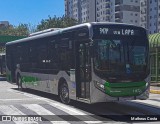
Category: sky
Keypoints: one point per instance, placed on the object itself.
(30, 11)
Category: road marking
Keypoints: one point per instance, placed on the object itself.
(38, 109)
(42, 111)
(11, 110)
(73, 111)
(63, 107)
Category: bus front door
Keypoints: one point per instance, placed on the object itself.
(83, 70)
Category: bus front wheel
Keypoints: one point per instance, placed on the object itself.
(64, 93)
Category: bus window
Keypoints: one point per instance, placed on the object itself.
(65, 55)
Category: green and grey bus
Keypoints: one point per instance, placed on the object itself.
(91, 62)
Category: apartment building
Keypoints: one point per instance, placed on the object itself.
(125, 11)
(150, 15)
(144, 18)
(81, 10)
(103, 10)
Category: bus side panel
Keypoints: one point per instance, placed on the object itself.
(53, 81)
(48, 82)
(28, 79)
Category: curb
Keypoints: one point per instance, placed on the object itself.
(155, 91)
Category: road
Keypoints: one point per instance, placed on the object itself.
(19, 105)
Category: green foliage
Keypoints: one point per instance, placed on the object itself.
(20, 30)
(26, 29)
(56, 22)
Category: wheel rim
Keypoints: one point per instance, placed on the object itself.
(64, 94)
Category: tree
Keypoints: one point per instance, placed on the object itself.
(26, 29)
(20, 30)
(56, 22)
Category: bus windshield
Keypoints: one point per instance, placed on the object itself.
(121, 56)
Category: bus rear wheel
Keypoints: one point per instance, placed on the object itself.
(64, 93)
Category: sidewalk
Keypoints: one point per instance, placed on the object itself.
(155, 88)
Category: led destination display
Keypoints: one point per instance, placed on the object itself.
(100, 31)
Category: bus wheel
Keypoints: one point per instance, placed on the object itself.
(64, 93)
(19, 82)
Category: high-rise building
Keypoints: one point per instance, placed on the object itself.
(153, 16)
(81, 10)
(144, 18)
(126, 11)
(150, 15)
(103, 10)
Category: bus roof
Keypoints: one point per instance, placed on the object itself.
(55, 32)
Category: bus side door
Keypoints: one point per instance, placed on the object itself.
(83, 70)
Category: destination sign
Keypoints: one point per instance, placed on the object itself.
(99, 31)
(124, 31)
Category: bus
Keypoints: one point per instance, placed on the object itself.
(91, 62)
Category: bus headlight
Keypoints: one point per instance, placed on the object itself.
(99, 85)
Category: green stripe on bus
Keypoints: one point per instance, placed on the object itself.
(125, 89)
(125, 84)
(30, 80)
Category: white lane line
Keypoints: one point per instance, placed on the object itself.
(38, 109)
(42, 111)
(63, 107)
(73, 111)
(11, 110)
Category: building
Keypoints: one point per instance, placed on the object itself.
(126, 11)
(4, 24)
(153, 17)
(144, 20)
(103, 10)
(150, 15)
(81, 10)
(87, 11)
